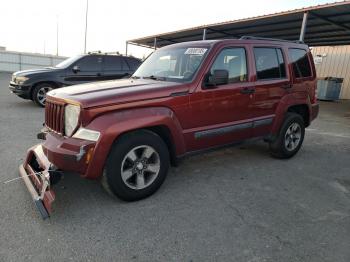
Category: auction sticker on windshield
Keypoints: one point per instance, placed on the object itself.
(195, 51)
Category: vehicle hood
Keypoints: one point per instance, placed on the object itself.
(117, 91)
(31, 72)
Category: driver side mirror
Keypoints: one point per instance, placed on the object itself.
(219, 77)
(76, 69)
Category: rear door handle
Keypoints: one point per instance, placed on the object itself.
(287, 86)
(247, 90)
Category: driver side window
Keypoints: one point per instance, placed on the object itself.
(91, 63)
(234, 61)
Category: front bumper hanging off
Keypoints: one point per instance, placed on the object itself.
(35, 172)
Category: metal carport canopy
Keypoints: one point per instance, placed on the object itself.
(327, 24)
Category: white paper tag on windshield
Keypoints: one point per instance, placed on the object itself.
(196, 51)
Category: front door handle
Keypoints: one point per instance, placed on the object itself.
(247, 90)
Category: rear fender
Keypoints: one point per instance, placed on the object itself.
(112, 125)
(282, 108)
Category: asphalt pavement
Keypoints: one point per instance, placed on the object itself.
(234, 204)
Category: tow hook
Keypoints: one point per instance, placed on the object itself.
(42, 134)
(55, 175)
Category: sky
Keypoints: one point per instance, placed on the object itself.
(30, 25)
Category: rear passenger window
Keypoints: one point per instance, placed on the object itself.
(234, 61)
(115, 63)
(300, 61)
(269, 63)
(112, 63)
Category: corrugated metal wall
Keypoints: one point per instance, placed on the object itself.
(15, 61)
(334, 61)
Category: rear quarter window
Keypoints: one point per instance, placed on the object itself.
(300, 62)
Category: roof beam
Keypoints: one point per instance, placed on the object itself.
(255, 33)
(321, 28)
(296, 20)
(221, 32)
(328, 44)
(166, 39)
(295, 32)
(141, 45)
(346, 28)
(328, 41)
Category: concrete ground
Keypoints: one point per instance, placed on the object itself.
(235, 204)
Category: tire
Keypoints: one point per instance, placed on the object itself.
(290, 138)
(137, 165)
(39, 93)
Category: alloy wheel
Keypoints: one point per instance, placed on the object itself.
(41, 94)
(292, 137)
(140, 167)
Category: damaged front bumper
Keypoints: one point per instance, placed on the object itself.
(37, 175)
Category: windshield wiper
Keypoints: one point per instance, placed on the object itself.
(153, 77)
(135, 77)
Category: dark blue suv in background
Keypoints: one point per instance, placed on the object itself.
(34, 84)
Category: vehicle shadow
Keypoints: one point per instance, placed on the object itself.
(77, 197)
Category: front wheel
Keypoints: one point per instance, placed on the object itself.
(290, 138)
(39, 93)
(137, 165)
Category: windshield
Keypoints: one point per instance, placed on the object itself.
(172, 64)
(68, 61)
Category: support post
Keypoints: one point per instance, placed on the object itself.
(303, 27)
(155, 43)
(126, 48)
(57, 36)
(86, 23)
(204, 33)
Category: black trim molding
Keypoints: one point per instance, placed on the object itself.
(262, 122)
(232, 128)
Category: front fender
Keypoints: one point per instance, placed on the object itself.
(114, 124)
(43, 78)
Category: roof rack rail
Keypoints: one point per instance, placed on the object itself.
(113, 53)
(247, 37)
(94, 52)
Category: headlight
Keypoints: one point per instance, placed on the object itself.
(71, 118)
(21, 79)
(87, 134)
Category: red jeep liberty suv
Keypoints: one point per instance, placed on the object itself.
(184, 98)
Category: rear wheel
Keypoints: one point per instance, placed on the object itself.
(39, 93)
(137, 165)
(290, 138)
